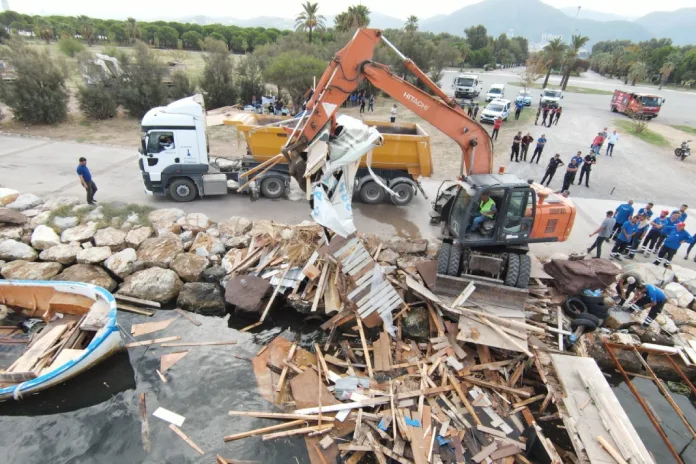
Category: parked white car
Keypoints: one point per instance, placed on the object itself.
(551, 97)
(498, 107)
(496, 91)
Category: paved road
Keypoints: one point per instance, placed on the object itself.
(48, 168)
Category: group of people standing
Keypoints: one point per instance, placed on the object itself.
(520, 147)
(602, 137)
(548, 113)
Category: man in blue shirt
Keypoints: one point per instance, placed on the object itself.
(652, 298)
(671, 221)
(650, 244)
(622, 214)
(628, 229)
(86, 180)
(682, 213)
(676, 235)
(519, 106)
(642, 227)
(541, 142)
(647, 210)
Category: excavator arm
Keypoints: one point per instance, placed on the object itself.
(342, 78)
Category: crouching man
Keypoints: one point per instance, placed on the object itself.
(649, 297)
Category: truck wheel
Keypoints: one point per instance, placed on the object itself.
(443, 258)
(272, 187)
(614, 110)
(525, 271)
(455, 260)
(371, 193)
(183, 190)
(513, 270)
(404, 194)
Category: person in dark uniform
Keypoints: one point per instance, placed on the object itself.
(558, 115)
(676, 235)
(624, 287)
(628, 229)
(476, 110)
(538, 113)
(526, 140)
(578, 160)
(589, 160)
(643, 226)
(650, 243)
(470, 109)
(571, 171)
(544, 115)
(541, 142)
(516, 141)
(551, 168)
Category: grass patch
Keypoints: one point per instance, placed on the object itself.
(570, 88)
(112, 214)
(687, 129)
(646, 135)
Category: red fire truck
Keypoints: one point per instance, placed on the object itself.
(644, 104)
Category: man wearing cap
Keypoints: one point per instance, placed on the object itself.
(628, 229)
(86, 180)
(622, 214)
(603, 233)
(676, 235)
(650, 244)
(649, 297)
(624, 287)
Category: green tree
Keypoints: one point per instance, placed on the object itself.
(411, 24)
(191, 40)
(666, 71)
(218, 36)
(309, 20)
(217, 81)
(43, 30)
(181, 86)
(250, 79)
(360, 15)
(140, 83)
(98, 101)
(86, 28)
(167, 36)
(477, 37)
(576, 43)
(638, 72)
(294, 72)
(38, 94)
(132, 29)
(117, 33)
(554, 52)
(70, 46)
(148, 33)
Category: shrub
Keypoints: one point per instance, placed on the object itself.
(140, 85)
(98, 101)
(216, 82)
(250, 79)
(181, 86)
(38, 94)
(70, 46)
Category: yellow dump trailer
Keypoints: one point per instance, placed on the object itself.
(400, 161)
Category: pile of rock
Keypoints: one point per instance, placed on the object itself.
(174, 257)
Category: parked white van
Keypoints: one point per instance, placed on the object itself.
(496, 91)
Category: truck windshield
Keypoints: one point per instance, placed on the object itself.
(651, 101)
(552, 93)
(495, 90)
(465, 81)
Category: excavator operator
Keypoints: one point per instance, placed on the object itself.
(487, 210)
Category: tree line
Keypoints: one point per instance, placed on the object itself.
(654, 60)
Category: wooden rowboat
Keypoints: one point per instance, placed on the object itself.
(80, 332)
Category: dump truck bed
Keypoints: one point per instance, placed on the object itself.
(406, 146)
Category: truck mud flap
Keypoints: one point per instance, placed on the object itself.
(488, 291)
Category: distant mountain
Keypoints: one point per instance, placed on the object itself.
(679, 25)
(595, 15)
(531, 19)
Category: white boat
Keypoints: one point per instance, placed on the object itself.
(80, 332)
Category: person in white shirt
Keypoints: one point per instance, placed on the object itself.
(393, 113)
(611, 141)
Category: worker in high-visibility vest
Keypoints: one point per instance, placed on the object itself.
(487, 210)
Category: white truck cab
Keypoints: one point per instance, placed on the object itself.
(466, 86)
(551, 97)
(495, 91)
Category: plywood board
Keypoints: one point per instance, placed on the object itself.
(26, 362)
(587, 420)
(538, 271)
(473, 331)
(168, 360)
(65, 356)
(149, 327)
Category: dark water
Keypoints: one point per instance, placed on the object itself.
(95, 418)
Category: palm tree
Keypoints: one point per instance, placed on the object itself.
(665, 72)
(554, 50)
(576, 43)
(464, 52)
(86, 28)
(360, 15)
(411, 24)
(132, 29)
(45, 31)
(309, 20)
(638, 72)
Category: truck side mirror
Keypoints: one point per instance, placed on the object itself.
(143, 142)
(561, 96)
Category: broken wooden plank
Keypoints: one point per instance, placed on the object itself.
(366, 353)
(495, 386)
(279, 415)
(301, 431)
(131, 299)
(152, 342)
(263, 430)
(228, 342)
(168, 360)
(485, 452)
(134, 309)
(149, 327)
(188, 316)
(185, 437)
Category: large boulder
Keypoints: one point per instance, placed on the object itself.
(189, 266)
(247, 293)
(11, 250)
(213, 275)
(241, 241)
(195, 222)
(157, 284)
(412, 246)
(680, 316)
(164, 218)
(11, 232)
(110, 237)
(88, 274)
(41, 218)
(80, 233)
(235, 226)
(136, 237)
(63, 254)
(618, 318)
(25, 201)
(7, 196)
(650, 274)
(201, 298)
(11, 216)
(60, 202)
(96, 215)
(690, 285)
(26, 270)
(229, 259)
(204, 245)
(121, 264)
(678, 294)
(93, 255)
(593, 343)
(44, 238)
(683, 274)
(160, 251)
(389, 256)
(62, 223)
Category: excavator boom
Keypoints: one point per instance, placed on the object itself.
(353, 63)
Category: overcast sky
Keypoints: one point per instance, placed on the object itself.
(153, 9)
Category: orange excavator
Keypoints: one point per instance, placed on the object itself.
(487, 219)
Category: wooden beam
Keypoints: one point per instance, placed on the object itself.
(229, 342)
(279, 415)
(495, 386)
(130, 299)
(261, 431)
(302, 431)
(152, 341)
(185, 437)
(188, 316)
(365, 351)
(134, 309)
